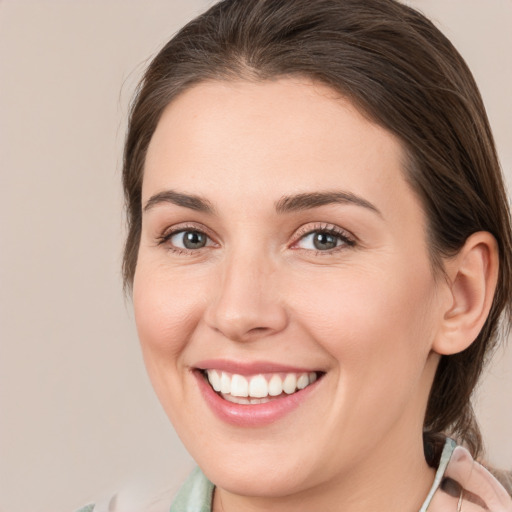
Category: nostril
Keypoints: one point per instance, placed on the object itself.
(259, 329)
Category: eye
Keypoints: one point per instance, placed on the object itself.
(320, 240)
(183, 239)
(189, 239)
(323, 239)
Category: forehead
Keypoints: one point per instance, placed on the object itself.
(257, 140)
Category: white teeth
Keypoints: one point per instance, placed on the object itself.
(258, 388)
(302, 381)
(275, 386)
(214, 378)
(225, 383)
(290, 384)
(239, 386)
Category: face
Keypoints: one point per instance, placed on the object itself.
(283, 293)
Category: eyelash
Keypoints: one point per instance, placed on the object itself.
(342, 235)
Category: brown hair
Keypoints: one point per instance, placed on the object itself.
(403, 74)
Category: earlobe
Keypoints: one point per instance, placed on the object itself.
(472, 277)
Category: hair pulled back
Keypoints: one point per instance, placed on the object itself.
(402, 73)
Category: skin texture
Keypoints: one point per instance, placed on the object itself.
(369, 313)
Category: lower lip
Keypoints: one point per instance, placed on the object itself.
(255, 415)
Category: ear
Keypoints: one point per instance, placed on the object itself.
(471, 281)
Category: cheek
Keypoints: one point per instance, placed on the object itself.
(378, 331)
(167, 310)
(376, 316)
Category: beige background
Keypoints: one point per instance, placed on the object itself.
(78, 419)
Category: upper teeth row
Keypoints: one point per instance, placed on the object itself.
(258, 386)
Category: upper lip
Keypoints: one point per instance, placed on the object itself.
(249, 368)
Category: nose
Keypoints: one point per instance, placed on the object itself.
(247, 304)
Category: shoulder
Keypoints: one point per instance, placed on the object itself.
(466, 485)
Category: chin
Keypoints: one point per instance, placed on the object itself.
(262, 479)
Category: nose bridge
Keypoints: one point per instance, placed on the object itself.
(247, 304)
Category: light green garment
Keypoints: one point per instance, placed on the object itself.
(449, 446)
(196, 494)
(87, 508)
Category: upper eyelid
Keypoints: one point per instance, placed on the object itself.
(326, 227)
(186, 226)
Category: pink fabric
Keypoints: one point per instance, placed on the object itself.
(468, 487)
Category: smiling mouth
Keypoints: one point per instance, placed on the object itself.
(259, 388)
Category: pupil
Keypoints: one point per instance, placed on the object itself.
(323, 241)
(194, 240)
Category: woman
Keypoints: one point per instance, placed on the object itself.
(320, 253)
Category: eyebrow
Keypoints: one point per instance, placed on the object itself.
(190, 201)
(286, 204)
(310, 200)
